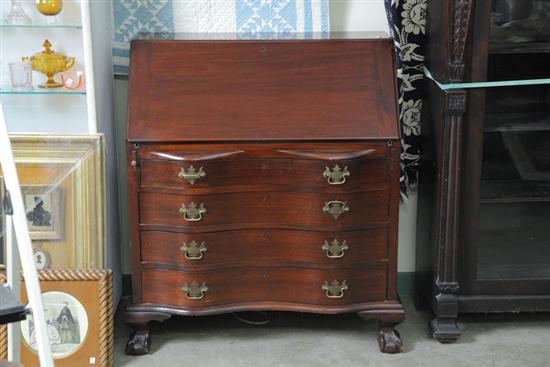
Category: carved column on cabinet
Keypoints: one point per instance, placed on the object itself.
(446, 286)
(461, 25)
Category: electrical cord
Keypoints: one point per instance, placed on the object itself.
(244, 320)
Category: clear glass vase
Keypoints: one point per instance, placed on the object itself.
(17, 15)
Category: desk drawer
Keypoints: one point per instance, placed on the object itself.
(266, 209)
(341, 168)
(264, 284)
(336, 249)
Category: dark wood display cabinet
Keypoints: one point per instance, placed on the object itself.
(484, 200)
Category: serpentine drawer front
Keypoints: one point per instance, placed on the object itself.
(302, 248)
(247, 209)
(263, 175)
(291, 286)
(322, 168)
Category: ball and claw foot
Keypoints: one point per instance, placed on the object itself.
(389, 340)
(140, 340)
(139, 343)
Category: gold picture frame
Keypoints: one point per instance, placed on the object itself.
(69, 297)
(74, 167)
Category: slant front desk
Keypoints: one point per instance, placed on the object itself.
(263, 175)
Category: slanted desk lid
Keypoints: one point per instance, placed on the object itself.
(262, 90)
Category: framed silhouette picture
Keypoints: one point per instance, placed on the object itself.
(45, 211)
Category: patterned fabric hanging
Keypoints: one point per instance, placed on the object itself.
(131, 17)
(407, 20)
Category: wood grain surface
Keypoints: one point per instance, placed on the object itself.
(299, 90)
(254, 247)
(259, 284)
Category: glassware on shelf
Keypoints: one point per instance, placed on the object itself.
(17, 15)
(49, 7)
(74, 81)
(49, 63)
(21, 75)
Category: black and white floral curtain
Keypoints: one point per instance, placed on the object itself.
(407, 20)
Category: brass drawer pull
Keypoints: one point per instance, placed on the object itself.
(336, 208)
(193, 251)
(335, 250)
(194, 291)
(335, 289)
(336, 176)
(191, 213)
(192, 175)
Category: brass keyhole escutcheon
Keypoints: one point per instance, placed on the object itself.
(336, 175)
(335, 250)
(193, 251)
(334, 289)
(336, 208)
(192, 213)
(191, 175)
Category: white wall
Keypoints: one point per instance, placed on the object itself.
(370, 15)
(357, 15)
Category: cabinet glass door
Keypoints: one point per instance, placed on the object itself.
(514, 210)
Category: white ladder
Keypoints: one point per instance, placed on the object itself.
(21, 245)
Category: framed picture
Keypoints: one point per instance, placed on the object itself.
(45, 211)
(78, 305)
(63, 185)
(42, 258)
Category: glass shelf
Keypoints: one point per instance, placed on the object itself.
(517, 121)
(514, 191)
(41, 25)
(6, 89)
(519, 48)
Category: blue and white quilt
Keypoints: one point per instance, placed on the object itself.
(131, 17)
